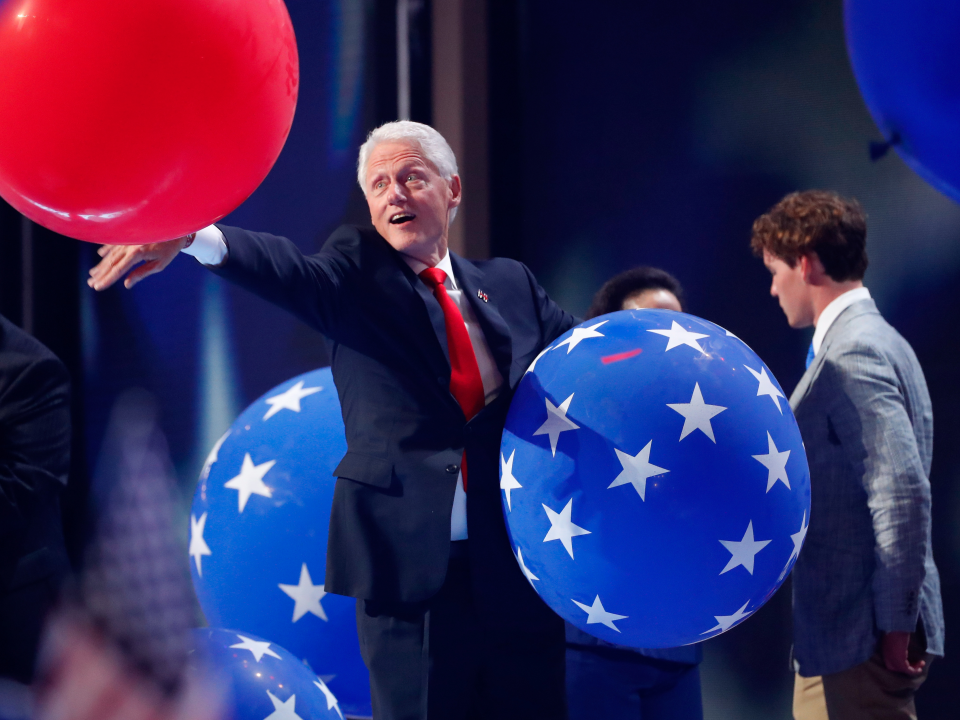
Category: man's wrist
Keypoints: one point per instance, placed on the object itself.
(208, 246)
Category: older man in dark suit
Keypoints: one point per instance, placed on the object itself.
(866, 593)
(427, 350)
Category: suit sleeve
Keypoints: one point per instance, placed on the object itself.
(871, 420)
(308, 286)
(34, 446)
(554, 320)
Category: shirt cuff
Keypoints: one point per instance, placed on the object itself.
(209, 246)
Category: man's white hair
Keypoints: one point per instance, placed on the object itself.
(434, 147)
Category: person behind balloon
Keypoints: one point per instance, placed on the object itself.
(427, 350)
(607, 680)
(867, 612)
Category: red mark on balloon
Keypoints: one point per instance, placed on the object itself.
(607, 359)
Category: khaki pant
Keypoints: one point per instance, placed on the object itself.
(867, 691)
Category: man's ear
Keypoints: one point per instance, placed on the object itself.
(456, 192)
(811, 269)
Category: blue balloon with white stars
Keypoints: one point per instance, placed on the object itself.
(654, 482)
(262, 680)
(258, 532)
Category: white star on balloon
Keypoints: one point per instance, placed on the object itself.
(725, 622)
(766, 386)
(556, 422)
(562, 527)
(507, 481)
(697, 414)
(524, 569)
(636, 470)
(798, 538)
(198, 546)
(256, 647)
(533, 365)
(680, 336)
(250, 480)
(306, 596)
(212, 457)
(579, 335)
(332, 703)
(776, 464)
(743, 552)
(596, 614)
(283, 710)
(289, 399)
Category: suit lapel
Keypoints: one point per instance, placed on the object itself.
(494, 327)
(414, 307)
(861, 307)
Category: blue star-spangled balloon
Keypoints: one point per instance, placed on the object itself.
(258, 532)
(263, 681)
(654, 482)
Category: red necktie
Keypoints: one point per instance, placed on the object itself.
(465, 382)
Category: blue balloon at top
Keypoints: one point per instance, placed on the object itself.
(654, 482)
(258, 535)
(264, 681)
(905, 57)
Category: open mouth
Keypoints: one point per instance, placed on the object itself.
(401, 218)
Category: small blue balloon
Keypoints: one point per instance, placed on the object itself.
(654, 482)
(265, 682)
(905, 57)
(258, 532)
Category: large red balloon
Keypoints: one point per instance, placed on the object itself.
(133, 121)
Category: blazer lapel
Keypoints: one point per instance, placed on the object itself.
(836, 330)
(495, 328)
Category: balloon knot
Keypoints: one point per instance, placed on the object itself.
(879, 149)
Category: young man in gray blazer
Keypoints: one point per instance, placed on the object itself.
(866, 594)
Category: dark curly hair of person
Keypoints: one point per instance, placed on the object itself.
(610, 297)
(815, 221)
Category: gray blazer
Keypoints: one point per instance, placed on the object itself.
(867, 565)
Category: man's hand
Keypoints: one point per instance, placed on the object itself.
(118, 260)
(895, 645)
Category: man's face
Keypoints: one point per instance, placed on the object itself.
(790, 288)
(656, 298)
(409, 201)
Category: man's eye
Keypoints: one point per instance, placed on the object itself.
(379, 186)
(411, 177)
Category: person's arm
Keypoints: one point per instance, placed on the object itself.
(34, 444)
(267, 265)
(871, 420)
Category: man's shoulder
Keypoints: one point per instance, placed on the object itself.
(864, 331)
(501, 267)
(26, 363)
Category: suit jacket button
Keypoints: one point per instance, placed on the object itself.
(453, 469)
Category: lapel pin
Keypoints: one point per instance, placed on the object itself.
(482, 295)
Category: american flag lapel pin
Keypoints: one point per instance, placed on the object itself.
(482, 295)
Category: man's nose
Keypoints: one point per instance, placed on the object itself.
(773, 289)
(396, 193)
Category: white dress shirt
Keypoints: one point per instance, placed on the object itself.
(832, 311)
(210, 248)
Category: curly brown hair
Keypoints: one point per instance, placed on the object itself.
(815, 221)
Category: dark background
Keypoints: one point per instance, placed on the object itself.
(618, 134)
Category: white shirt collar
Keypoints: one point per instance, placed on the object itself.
(832, 311)
(444, 264)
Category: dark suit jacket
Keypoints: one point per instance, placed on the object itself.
(390, 524)
(34, 461)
